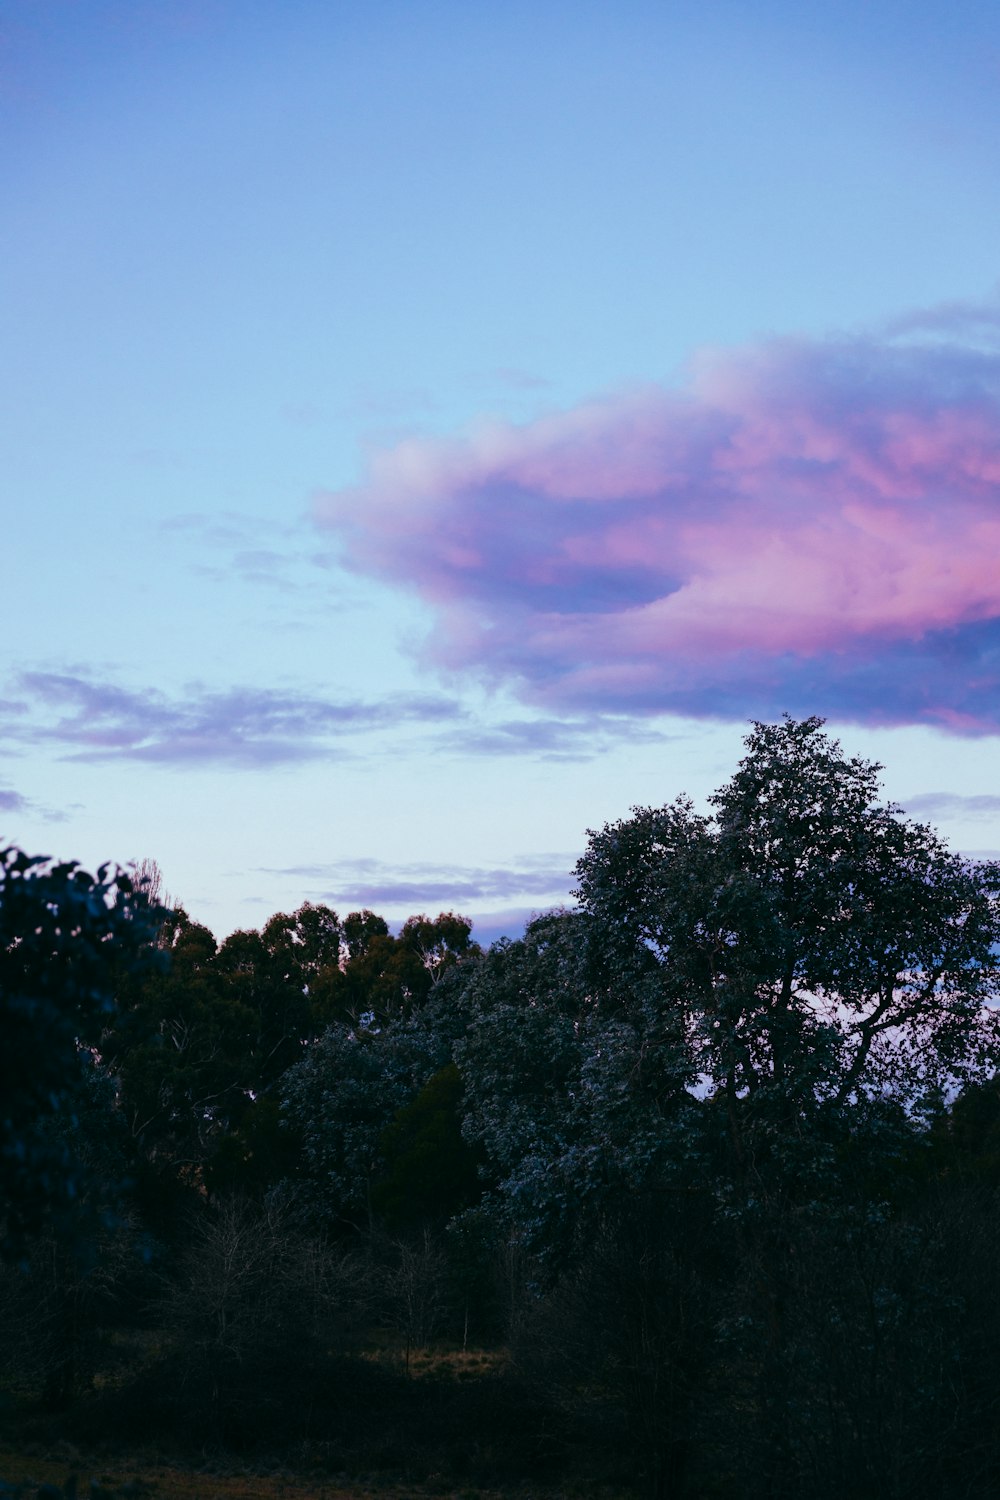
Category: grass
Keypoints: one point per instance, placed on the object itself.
(440, 1362)
(151, 1479)
(160, 1481)
(446, 1416)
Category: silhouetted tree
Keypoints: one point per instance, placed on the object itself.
(754, 1011)
(67, 939)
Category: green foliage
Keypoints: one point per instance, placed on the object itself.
(718, 1151)
(756, 1003)
(578, 1085)
(340, 1099)
(388, 978)
(198, 1049)
(429, 1172)
(343, 1096)
(818, 950)
(67, 939)
(718, 1073)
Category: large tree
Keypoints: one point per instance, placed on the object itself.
(816, 949)
(715, 1073)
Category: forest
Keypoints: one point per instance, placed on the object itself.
(691, 1191)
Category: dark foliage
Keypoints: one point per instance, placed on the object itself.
(67, 941)
(712, 1164)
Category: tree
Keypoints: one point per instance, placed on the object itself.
(199, 1049)
(818, 950)
(66, 939)
(168, 1044)
(577, 1085)
(830, 970)
(388, 978)
(580, 1091)
(147, 877)
(255, 1310)
(430, 1171)
(725, 1060)
(340, 1099)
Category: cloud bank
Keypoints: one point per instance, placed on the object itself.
(550, 739)
(804, 527)
(954, 805)
(500, 899)
(240, 727)
(95, 719)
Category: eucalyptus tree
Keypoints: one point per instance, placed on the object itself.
(373, 1101)
(717, 1068)
(577, 1087)
(817, 951)
(387, 978)
(797, 962)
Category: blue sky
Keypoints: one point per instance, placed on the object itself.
(430, 429)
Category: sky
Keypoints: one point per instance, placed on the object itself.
(431, 429)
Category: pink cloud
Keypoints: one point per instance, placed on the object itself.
(804, 526)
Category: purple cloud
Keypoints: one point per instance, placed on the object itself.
(243, 727)
(550, 739)
(806, 526)
(94, 719)
(500, 899)
(510, 922)
(16, 803)
(954, 804)
(369, 882)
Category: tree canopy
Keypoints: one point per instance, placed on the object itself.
(815, 943)
(759, 978)
(67, 941)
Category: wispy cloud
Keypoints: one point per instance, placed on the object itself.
(16, 804)
(241, 727)
(954, 805)
(228, 544)
(972, 323)
(370, 882)
(575, 739)
(95, 719)
(806, 526)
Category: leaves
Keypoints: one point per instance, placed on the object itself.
(66, 940)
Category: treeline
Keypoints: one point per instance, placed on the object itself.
(693, 1189)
